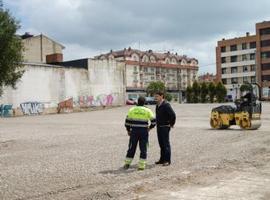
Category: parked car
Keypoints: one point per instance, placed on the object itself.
(150, 101)
(131, 102)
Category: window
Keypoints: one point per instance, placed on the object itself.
(253, 79)
(245, 68)
(266, 78)
(223, 59)
(223, 49)
(224, 71)
(233, 47)
(234, 70)
(145, 69)
(244, 46)
(266, 66)
(245, 79)
(135, 57)
(152, 59)
(145, 59)
(265, 54)
(265, 31)
(244, 57)
(252, 45)
(234, 81)
(224, 81)
(135, 69)
(252, 56)
(265, 43)
(233, 58)
(152, 78)
(252, 68)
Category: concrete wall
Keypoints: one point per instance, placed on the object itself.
(36, 48)
(42, 87)
(107, 77)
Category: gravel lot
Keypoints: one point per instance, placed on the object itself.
(80, 155)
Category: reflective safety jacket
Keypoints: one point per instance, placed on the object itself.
(140, 116)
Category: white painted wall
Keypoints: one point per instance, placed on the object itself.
(50, 84)
(107, 77)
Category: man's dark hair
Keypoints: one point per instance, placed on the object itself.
(141, 101)
(160, 93)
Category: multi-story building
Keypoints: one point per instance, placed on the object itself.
(245, 59)
(207, 78)
(143, 67)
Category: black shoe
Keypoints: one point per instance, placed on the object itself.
(126, 166)
(166, 164)
(159, 162)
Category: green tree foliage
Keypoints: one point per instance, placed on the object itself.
(246, 87)
(168, 97)
(204, 92)
(221, 92)
(189, 94)
(154, 87)
(211, 91)
(10, 50)
(196, 92)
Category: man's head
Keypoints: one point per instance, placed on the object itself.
(141, 101)
(159, 96)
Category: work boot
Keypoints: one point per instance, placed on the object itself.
(159, 162)
(141, 164)
(127, 163)
(126, 166)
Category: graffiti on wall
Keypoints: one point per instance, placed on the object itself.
(66, 105)
(32, 108)
(100, 100)
(5, 110)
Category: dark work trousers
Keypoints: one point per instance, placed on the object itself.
(138, 135)
(163, 134)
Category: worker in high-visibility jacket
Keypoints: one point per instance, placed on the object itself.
(137, 125)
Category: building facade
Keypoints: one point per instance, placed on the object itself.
(41, 49)
(144, 67)
(207, 78)
(245, 59)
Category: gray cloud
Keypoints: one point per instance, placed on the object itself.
(189, 26)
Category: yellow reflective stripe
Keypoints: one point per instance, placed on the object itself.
(139, 120)
(142, 164)
(138, 125)
(128, 161)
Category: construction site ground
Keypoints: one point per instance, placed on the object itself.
(80, 156)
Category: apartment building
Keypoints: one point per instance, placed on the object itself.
(245, 59)
(143, 67)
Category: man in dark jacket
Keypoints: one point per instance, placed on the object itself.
(165, 118)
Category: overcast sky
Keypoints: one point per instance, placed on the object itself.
(190, 27)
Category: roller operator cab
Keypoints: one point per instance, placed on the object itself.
(246, 113)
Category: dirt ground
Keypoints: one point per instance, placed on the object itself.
(80, 156)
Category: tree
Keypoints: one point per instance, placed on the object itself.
(246, 87)
(10, 50)
(204, 92)
(189, 94)
(196, 92)
(168, 96)
(154, 87)
(212, 91)
(221, 92)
